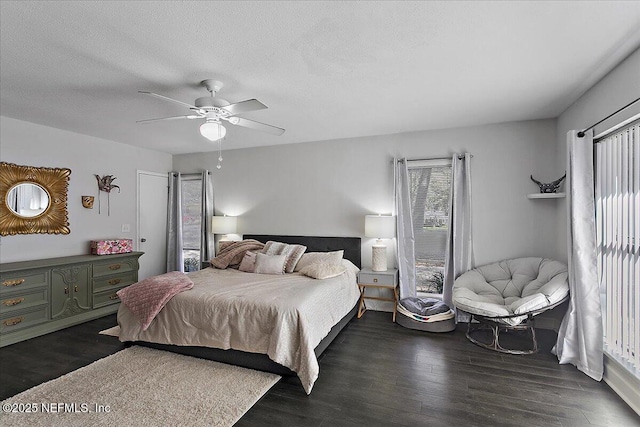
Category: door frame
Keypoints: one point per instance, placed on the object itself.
(138, 173)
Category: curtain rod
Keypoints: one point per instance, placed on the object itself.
(460, 157)
(581, 133)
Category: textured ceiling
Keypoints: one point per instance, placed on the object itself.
(326, 70)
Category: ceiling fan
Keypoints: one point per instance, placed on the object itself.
(214, 110)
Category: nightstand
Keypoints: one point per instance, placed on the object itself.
(368, 278)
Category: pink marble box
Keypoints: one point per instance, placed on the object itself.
(114, 246)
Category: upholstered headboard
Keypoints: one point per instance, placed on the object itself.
(350, 245)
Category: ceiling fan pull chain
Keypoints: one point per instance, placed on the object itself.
(219, 154)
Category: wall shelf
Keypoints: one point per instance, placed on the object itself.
(546, 196)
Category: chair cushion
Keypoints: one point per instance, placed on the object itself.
(515, 286)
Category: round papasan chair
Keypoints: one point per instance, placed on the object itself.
(505, 296)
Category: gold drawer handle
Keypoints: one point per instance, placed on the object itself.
(10, 302)
(114, 281)
(14, 321)
(14, 282)
(114, 296)
(115, 266)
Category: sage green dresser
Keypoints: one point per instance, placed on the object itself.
(42, 296)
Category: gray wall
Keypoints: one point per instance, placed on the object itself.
(326, 188)
(29, 144)
(615, 90)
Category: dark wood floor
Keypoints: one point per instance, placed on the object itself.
(376, 374)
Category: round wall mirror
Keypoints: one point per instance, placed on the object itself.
(27, 199)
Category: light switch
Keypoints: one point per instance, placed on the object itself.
(126, 228)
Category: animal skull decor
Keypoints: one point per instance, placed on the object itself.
(106, 184)
(551, 187)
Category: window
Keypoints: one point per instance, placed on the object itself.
(617, 199)
(429, 188)
(191, 187)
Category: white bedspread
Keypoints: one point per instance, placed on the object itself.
(284, 317)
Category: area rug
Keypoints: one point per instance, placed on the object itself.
(140, 386)
(112, 332)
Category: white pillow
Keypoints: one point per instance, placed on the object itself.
(314, 257)
(270, 264)
(293, 253)
(323, 270)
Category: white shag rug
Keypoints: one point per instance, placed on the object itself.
(140, 386)
(112, 332)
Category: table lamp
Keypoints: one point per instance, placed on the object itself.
(224, 225)
(380, 227)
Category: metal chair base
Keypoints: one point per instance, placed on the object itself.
(485, 323)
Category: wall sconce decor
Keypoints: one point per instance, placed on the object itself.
(551, 187)
(87, 202)
(105, 184)
(380, 227)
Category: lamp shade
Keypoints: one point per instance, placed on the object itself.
(224, 224)
(212, 130)
(380, 226)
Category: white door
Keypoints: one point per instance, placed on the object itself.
(152, 223)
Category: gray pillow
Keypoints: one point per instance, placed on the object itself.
(248, 263)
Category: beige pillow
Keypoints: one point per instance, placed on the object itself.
(248, 263)
(323, 270)
(270, 264)
(350, 266)
(273, 248)
(314, 257)
(292, 252)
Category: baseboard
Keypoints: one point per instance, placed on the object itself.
(627, 386)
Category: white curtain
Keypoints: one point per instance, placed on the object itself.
(207, 245)
(580, 340)
(459, 253)
(175, 261)
(405, 238)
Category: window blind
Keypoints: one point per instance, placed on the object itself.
(617, 197)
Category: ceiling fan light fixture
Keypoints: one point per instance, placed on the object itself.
(212, 130)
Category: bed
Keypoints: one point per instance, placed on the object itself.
(307, 315)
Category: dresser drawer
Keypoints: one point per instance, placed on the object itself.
(105, 298)
(19, 300)
(114, 266)
(376, 279)
(44, 295)
(16, 282)
(11, 322)
(116, 282)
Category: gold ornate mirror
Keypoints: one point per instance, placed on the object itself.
(33, 200)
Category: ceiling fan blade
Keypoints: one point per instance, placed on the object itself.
(169, 118)
(184, 104)
(244, 106)
(251, 124)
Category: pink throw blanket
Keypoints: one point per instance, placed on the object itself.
(146, 298)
